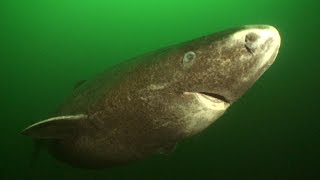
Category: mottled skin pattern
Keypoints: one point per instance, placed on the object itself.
(139, 107)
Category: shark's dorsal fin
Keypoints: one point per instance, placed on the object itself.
(55, 128)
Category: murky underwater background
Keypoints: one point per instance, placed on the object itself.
(273, 132)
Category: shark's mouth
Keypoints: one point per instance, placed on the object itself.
(215, 96)
(210, 100)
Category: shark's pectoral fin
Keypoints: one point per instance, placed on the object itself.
(55, 128)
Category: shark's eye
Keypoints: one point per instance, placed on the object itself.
(189, 57)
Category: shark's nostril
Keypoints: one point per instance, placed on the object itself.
(251, 37)
(251, 42)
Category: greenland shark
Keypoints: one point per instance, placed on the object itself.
(145, 105)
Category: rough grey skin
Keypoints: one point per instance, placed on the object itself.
(146, 105)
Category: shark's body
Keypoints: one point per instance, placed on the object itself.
(146, 105)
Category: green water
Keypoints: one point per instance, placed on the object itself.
(273, 132)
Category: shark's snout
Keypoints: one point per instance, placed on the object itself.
(270, 32)
(248, 52)
(264, 41)
(272, 35)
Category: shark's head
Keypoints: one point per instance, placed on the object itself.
(215, 70)
(226, 64)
